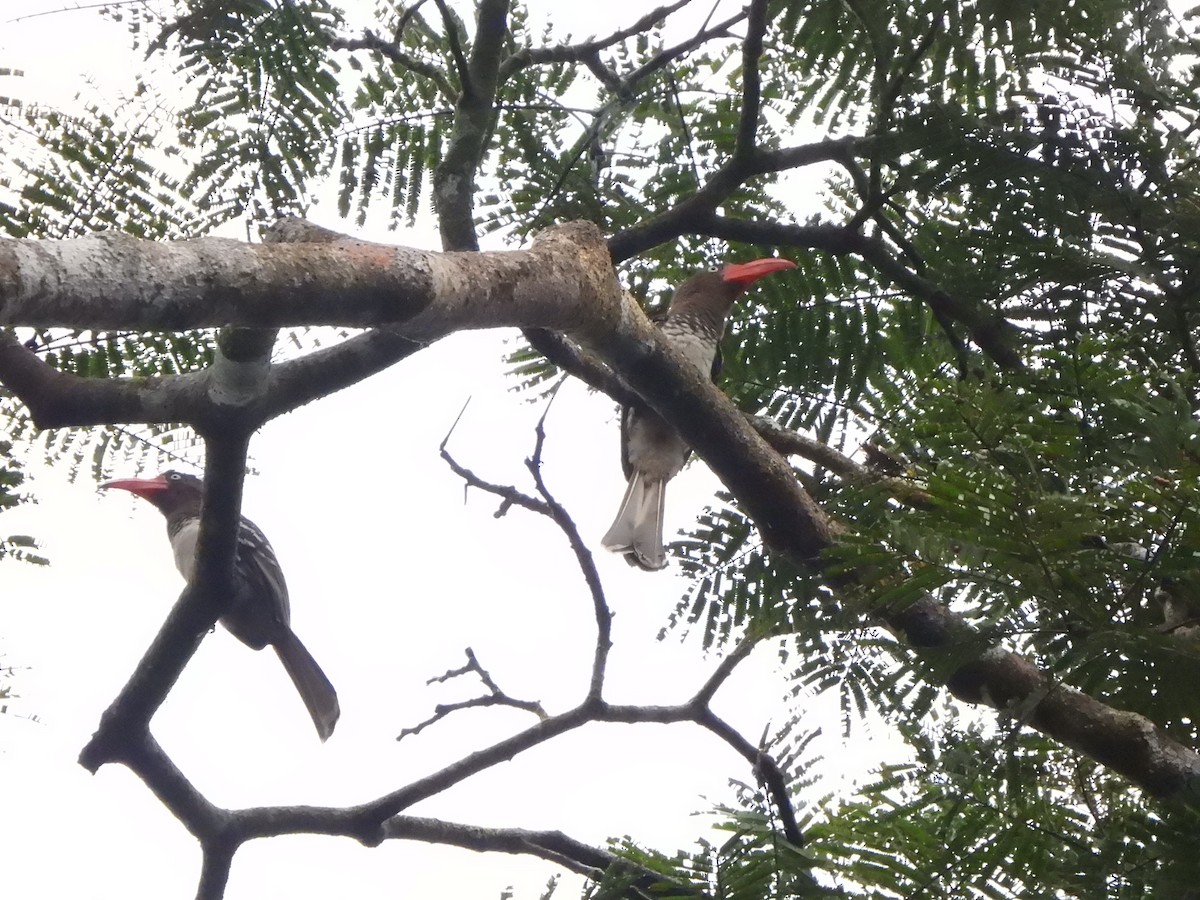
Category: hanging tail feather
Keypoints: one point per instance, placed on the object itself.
(637, 531)
(314, 688)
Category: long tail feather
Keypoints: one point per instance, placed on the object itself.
(314, 688)
(637, 530)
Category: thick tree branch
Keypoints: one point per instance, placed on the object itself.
(328, 370)
(215, 864)
(589, 369)
(111, 281)
(572, 359)
(752, 48)
(554, 846)
(440, 293)
(331, 369)
(146, 759)
(474, 119)
(702, 205)
(57, 398)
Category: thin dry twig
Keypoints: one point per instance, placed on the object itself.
(594, 707)
(495, 697)
(373, 42)
(406, 16)
(456, 50)
(548, 506)
(508, 494)
(587, 52)
(583, 556)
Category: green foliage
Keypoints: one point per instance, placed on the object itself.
(268, 103)
(21, 547)
(109, 163)
(1064, 830)
(396, 136)
(1003, 814)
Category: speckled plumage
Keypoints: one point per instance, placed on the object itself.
(652, 453)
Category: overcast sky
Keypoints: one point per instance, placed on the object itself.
(391, 575)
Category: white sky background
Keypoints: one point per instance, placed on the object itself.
(391, 576)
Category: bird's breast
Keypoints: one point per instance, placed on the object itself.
(183, 546)
(696, 345)
(652, 446)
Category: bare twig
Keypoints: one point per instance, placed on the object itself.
(496, 697)
(583, 556)
(552, 509)
(442, 710)
(587, 52)
(665, 57)
(373, 42)
(508, 494)
(405, 17)
(450, 23)
(594, 707)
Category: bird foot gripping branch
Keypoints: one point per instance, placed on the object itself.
(259, 613)
(651, 452)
